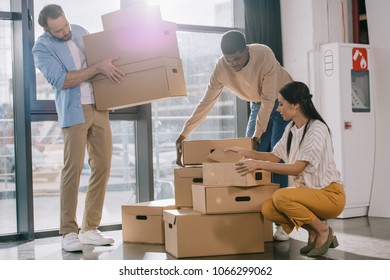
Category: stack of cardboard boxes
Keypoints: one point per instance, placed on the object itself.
(195, 153)
(216, 211)
(220, 215)
(143, 222)
(146, 50)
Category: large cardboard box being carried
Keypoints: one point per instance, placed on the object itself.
(196, 152)
(132, 44)
(149, 57)
(144, 82)
(137, 14)
(224, 174)
(184, 178)
(143, 222)
(223, 200)
(189, 233)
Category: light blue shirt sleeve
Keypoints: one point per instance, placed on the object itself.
(47, 61)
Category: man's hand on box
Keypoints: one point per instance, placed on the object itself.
(113, 73)
(255, 143)
(179, 151)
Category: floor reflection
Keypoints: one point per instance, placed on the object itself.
(360, 239)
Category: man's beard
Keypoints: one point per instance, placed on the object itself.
(65, 38)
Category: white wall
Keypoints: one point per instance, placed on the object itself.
(305, 25)
(378, 24)
(297, 37)
(308, 23)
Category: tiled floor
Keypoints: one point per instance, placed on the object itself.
(364, 238)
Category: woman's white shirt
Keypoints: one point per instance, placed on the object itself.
(316, 149)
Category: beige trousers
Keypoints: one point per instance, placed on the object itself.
(294, 207)
(95, 136)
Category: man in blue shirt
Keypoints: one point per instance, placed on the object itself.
(59, 54)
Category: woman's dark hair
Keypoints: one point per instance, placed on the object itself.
(299, 93)
(50, 11)
(232, 42)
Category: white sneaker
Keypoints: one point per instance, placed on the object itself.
(280, 234)
(71, 243)
(94, 237)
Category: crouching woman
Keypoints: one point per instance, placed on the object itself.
(316, 192)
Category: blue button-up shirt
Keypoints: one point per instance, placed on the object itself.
(54, 59)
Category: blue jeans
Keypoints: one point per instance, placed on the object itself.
(270, 137)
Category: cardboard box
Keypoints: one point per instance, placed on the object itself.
(220, 155)
(134, 15)
(143, 222)
(268, 230)
(144, 82)
(189, 233)
(132, 44)
(197, 151)
(224, 174)
(217, 200)
(184, 178)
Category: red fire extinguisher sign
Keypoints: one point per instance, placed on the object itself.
(359, 59)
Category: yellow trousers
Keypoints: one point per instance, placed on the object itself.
(95, 136)
(294, 207)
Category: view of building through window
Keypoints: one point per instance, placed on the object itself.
(5, 5)
(204, 12)
(7, 150)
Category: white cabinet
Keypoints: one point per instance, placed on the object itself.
(346, 104)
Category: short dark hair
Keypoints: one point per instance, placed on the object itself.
(50, 11)
(232, 42)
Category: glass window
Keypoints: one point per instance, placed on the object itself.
(199, 53)
(47, 155)
(89, 18)
(7, 150)
(214, 12)
(5, 5)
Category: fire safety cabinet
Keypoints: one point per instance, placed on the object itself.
(346, 104)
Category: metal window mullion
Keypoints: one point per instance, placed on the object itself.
(144, 154)
(24, 86)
